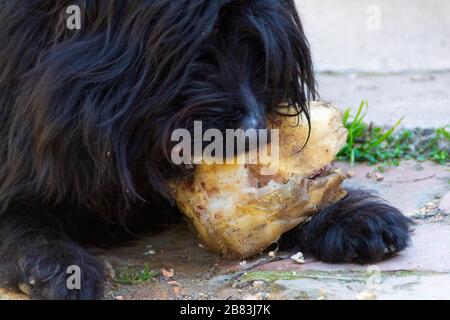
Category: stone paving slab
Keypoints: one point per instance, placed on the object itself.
(410, 187)
(400, 65)
(421, 99)
(429, 252)
(200, 274)
(377, 35)
(444, 204)
(203, 275)
(413, 287)
(420, 272)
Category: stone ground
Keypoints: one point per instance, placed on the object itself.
(399, 62)
(420, 190)
(394, 54)
(421, 99)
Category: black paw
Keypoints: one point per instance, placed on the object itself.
(61, 271)
(361, 228)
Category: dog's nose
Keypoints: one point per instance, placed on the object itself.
(258, 123)
(254, 121)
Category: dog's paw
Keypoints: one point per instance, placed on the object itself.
(63, 272)
(360, 228)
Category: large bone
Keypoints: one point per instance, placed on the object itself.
(238, 212)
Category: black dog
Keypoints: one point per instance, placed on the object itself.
(86, 117)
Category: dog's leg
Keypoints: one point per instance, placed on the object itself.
(36, 255)
(360, 228)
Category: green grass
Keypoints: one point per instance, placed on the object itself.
(135, 275)
(375, 145)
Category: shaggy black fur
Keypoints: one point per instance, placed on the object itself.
(86, 117)
(360, 228)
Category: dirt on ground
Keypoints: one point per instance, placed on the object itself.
(173, 265)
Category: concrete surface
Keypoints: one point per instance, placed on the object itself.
(415, 188)
(421, 272)
(395, 54)
(422, 100)
(381, 36)
(428, 253)
(411, 287)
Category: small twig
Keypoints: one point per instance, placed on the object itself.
(414, 180)
(258, 263)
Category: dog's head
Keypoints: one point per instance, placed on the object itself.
(115, 90)
(233, 62)
(252, 56)
(224, 63)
